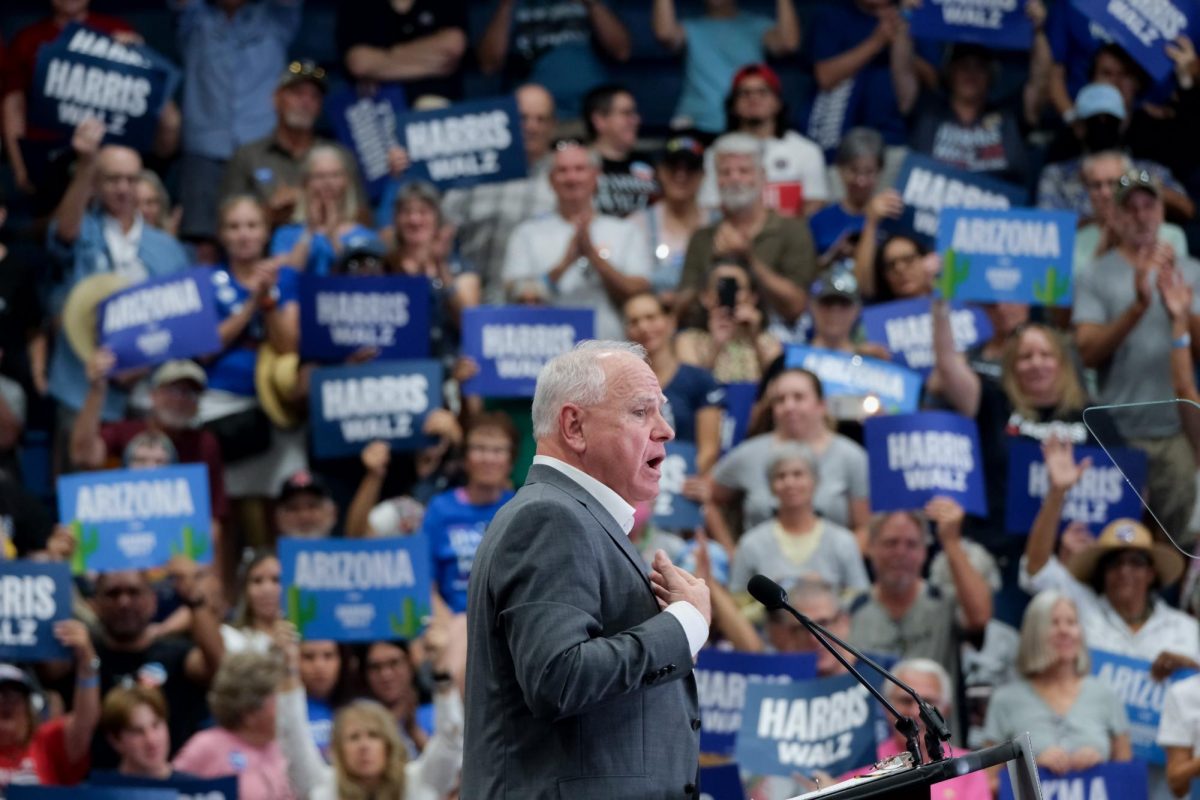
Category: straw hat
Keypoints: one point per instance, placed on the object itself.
(1128, 534)
(275, 377)
(79, 312)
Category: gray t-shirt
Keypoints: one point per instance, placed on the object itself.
(841, 477)
(1140, 368)
(1092, 721)
(835, 560)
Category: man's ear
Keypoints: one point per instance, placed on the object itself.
(570, 427)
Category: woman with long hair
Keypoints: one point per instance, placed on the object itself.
(258, 606)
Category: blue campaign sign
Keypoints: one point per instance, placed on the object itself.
(1143, 696)
(356, 590)
(842, 374)
(722, 782)
(1021, 256)
(364, 120)
(735, 414)
(905, 327)
(511, 344)
(928, 186)
(915, 457)
(19, 792)
(161, 319)
(721, 680)
(826, 724)
(1142, 29)
(37, 595)
(137, 519)
(1123, 779)
(1100, 496)
(186, 788)
(998, 24)
(87, 73)
(465, 144)
(339, 315)
(672, 510)
(354, 405)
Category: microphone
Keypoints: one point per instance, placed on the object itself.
(774, 598)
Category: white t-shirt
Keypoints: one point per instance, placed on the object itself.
(796, 173)
(539, 243)
(1179, 725)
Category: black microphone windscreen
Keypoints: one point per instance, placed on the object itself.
(767, 592)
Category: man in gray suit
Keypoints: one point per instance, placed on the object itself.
(579, 665)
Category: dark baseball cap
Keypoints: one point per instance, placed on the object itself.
(301, 482)
(1137, 180)
(683, 151)
(303, 70)
(835, 283)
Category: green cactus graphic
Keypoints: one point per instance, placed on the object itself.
(408, 624)
(87, 541)
(301, 608)
(955, 269)
(1052, 290)
(191, 544)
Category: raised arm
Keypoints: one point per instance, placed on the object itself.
(493, 46)
(610, 32)
(832, 71)
(957, 383)
(784, 38)
(88, 450)
(375, 458)
(974, 594)
(68, 216)
(1097, 341)
(1061, 474)
(667, 29)
(81, 723)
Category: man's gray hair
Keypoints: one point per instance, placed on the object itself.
(576, 376)
(1093, 159)
(927, 666)
(738, 144)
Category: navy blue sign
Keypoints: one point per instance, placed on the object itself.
(465, 144)
(915, 457)
(36, 595)
(137, 519)
(356, 590)
(673, 511)
(1143, 28)
(897, 388)
(511, 344)
(86, 73)
(1130, 680)
(928, 186)
(354, 405)
(339, 315)
(19, 792)
(735, 413)
(723, 782)
(999, 24)
(188, 788)
(1123, 779)
(161, 319)
(721, 680)
(905, 327)
(364, 120)
(1021, 256)
(1100, 496)
(826, 724)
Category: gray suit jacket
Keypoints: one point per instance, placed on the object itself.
(577, 685)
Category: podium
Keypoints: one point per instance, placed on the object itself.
(913, 783)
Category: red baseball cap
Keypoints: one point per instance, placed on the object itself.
(758, 70)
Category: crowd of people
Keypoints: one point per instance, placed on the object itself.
(757, 221)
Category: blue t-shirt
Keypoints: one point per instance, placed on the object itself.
(233, 368)
(321, 254)
(716, 50)
(454, 528)
(692, 389)
(320, 724)
(830, 223)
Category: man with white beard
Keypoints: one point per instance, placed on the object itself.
(779, 250)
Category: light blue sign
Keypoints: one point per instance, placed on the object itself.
(721, 680)
(928, 187)
(187, 788)
(735, 413)
(161, 319)
(37, 595)
(1130, 680)
(364, 120)
(905, 327)
(1100, 496)
(897, 388)
(826, 724)
(352, 406)
(339, 315)
(137, 519)
(1116, 779)
(1143, 29)
(511, 344)
(722, 782)
(673, 511)
(998, 24)
(466, 144)
(356, 590)
(913, 458)
(1021, 256)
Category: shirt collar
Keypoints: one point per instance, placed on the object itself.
(612, 502)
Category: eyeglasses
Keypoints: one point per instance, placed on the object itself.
(306, 69)
(754, 91)
(901, 262)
